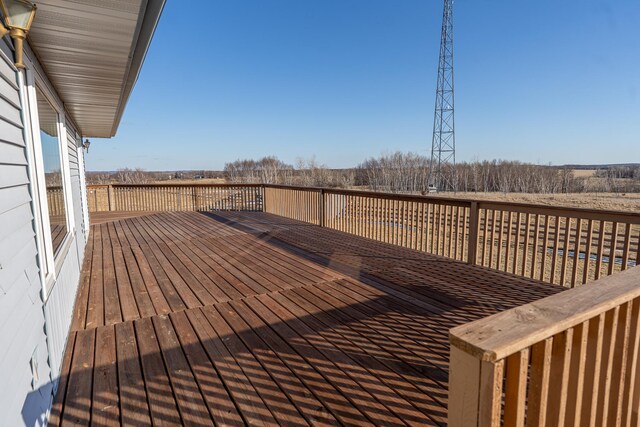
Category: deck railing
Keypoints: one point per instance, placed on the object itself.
(177, 197)
(567, 246)
(569, 359)
(55, 200)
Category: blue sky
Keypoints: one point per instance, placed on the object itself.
(539, 81)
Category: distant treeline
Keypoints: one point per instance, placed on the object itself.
(402, 173)
(408, 172)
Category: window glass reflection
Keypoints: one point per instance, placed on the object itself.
(52, 156)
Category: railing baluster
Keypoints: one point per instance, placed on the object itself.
(492, 236)
(556, 244)
(507, 250)
(577, 374)
(485, 230)
(516, 251)
(587, 253)
(626, 247)
(539, 388)
(613, 248)
(576, 253)
(601, 234)
(516, 388)
(565, 250)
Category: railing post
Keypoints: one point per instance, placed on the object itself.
(464, 388)
(474, 223)
(110, 198)
(321, 209)
(264, 198)
(194, 195)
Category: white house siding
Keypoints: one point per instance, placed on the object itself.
(59, 305)
(22, 322)
(30, 328)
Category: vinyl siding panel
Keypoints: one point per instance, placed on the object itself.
(21, 316)
(59, 305)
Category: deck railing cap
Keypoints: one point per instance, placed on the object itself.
(500, 335)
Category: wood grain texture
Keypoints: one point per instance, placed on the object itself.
(249, 318)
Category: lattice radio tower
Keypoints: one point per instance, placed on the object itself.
(443, 146)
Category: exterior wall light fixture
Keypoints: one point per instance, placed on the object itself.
(18, 16)
(86, 144)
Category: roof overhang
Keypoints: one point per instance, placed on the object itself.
(92, 52)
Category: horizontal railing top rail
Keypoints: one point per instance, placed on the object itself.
(585, 213)
(566, 359)
(162, 184)
(561, 245)
(488, 340)
(575, 212)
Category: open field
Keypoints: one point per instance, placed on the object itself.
(629, 202)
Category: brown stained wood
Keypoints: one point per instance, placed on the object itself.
(312, 326)
(492, 239)
(508, 237)
(133, 399)
(626, 247)
(514, 268)
(631, 395)
(516, 388)
(533, 322)
(105, 410)
(79, 318)
(539, 383)
(282, 340)
(559, 371)
(95, 299)
(525, 249)
(545, 250)
(593, 366)
(613, 247)
(556, 247)
(78, 402)
(464, 387)
(58, 401)
(342, 370)
(620, 361)
(127, 297)
(600, 253)
(244, 395)
(500, 240)
(113, 309)
(190, 402)
(611, 324)
(565, 250)
(491, 379)
(587, 258)
(358, 340)
(536, 236)
(576, 253)
(577, 373)
(275, 398)
(162, 403)
(244, 323)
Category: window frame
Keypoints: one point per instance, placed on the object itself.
(50, 262)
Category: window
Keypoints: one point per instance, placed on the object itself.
(52, 162)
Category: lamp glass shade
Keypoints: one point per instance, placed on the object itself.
(18, 13)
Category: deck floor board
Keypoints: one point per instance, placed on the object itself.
(235, 318)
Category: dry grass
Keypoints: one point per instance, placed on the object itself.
(629, 202)
(584, 173)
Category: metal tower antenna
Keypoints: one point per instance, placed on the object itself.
(443, 146)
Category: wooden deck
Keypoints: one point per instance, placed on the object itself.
(248, 318)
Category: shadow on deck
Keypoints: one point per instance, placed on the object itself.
(234, 318)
